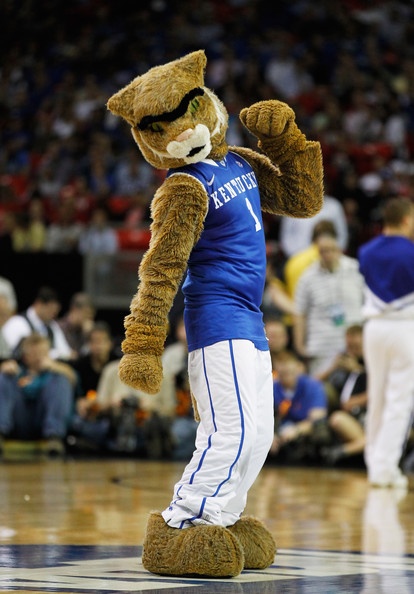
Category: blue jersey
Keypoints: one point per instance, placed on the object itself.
(387, 264)
(223, 288)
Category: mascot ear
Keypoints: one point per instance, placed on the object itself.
(122, 103)
(145, 94)
(194, 64)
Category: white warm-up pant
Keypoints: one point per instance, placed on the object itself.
(389, 359)
(233, 387)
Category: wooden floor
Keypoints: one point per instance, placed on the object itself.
(78, 526)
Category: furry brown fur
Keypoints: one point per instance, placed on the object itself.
(203, 551)
(289, 174)
(175, 120)
(257, 543)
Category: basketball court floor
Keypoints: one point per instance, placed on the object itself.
(77, 526)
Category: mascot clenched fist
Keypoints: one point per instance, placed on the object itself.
(207, 224)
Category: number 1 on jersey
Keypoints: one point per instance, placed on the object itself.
(256, 220)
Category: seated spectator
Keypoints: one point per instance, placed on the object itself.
(29, 235)
(40, 317)
(299, 403)
(120, 419)
(7, 289)
(80, 198)
(36, 396)
(137, 215)
(345, 379)
(77, 322)
(278, 338)
(349, 437)
(345, 382)
(5, 314)
(164, 424)
(132, 174)
(99, 237)
(64, 231)
(89, 367)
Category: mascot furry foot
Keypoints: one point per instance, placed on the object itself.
(202, 551)
(258, 544)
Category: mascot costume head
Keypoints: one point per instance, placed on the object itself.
(207, 225)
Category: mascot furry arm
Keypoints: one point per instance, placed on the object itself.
(176, 121)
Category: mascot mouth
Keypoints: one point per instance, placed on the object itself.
(194, 147)
(195, 150)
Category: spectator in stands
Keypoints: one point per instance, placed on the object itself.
(299, 403)
(277, 334)
(114, 417)
(166, 418)
(89, 367)
(79, 195)
(40, 317)
(78, 322)
(90, 425)
(345, 382)
(99, 237)
(29, 234)
(7, 289)
(36, 396)
(346, 375)
(137, 215)
(296, 264)
(64, 232)
(133, 175)
(328, 298)
(8, 306)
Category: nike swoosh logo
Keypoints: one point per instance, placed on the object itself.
(210, 183)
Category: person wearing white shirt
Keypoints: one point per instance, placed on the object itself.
(7, 289)
(40, 317)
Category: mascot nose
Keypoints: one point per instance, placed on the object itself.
(184, 135)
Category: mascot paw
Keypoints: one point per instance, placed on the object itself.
(142, 372)
(258, 544)
(199, 551)
(267, 119)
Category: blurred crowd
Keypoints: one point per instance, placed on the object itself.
(72, 180)
(346, 67)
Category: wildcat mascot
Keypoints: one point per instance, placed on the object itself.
(207, 224)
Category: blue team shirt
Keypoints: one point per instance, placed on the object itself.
(387, 265)
(308, 394)
(224, 284)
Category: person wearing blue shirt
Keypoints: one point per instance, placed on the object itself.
(36, 396)
(299, 402)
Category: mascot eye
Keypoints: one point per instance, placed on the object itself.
(194, 105)
(155, 127)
